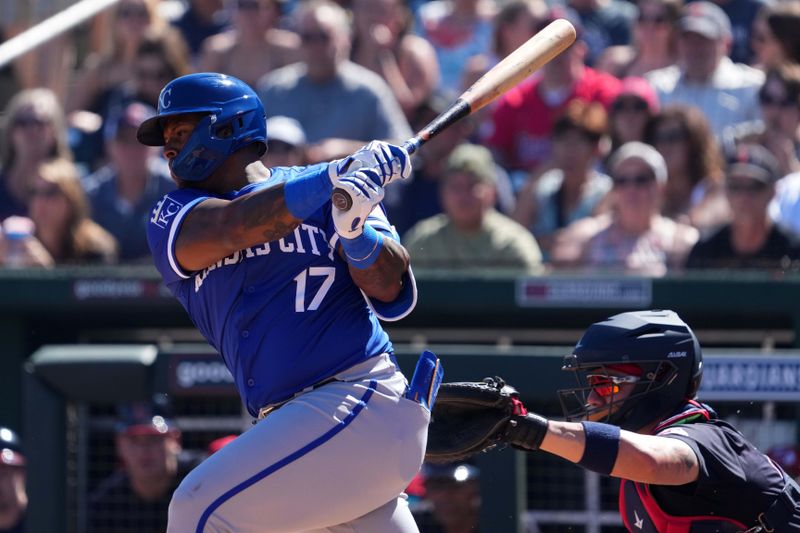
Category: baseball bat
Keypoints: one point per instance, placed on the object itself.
(515, 67)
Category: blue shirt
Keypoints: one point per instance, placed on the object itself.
(285, 314)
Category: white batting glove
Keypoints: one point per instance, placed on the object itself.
(365, 190)
(390, 161)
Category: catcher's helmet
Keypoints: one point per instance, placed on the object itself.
(234, 119)
(656, 348)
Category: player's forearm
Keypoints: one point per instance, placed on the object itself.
(216, 228)
(383, 279)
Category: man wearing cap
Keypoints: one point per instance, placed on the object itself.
(471, 234)
(13, 497)
(136, 497)
(750, 240)
(633, 237)
(704, 76)
(286, 144)
(123, 192)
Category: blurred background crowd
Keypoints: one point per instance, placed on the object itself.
(666, 138)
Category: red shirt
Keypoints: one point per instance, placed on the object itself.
(522, 122)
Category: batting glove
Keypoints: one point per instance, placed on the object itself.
(364, 187)
(391, 162)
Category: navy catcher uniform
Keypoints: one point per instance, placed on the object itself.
(682, 470)
(289, 290)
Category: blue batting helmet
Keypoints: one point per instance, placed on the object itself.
(234, 119)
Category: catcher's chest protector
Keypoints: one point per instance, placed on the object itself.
(642, 514)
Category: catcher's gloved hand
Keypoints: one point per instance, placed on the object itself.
(472, 417)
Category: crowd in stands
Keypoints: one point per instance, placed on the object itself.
(666, 138)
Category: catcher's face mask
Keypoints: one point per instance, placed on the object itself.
(605, 393)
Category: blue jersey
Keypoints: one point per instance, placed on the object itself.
(285, 314)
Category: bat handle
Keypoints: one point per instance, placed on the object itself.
(341, 199)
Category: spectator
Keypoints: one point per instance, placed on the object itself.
(200, 20)
(633, 107)
(161, 55)
(634, 237)
(13, 496)
(751, 240)
(779, 131)
(694, 192)
(60, 213)
(339, 104)
(254, 45)
(104, 70)
(605, 23)
(122, 193)
(775, 36)
(382, 42)
(458, 31)
(570, 188)
(522, 121)
(454, 492)
(136, 496)
(515, 23)
(704, 76)
(286, 143)
(33, 131)
(417, 198)
(654, 41)
(471, 234)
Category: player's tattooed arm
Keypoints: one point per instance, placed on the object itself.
(384, 278)
(216, 228)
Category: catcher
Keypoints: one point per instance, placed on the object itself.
(633, 416)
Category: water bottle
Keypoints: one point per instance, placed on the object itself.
(16, 231)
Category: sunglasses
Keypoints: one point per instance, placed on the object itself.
(45, 192)
(605, 385)
(132, 12)
(657, 19)
(251, 5)
(634, 104)
(747, 186)
(25, 122)
(315, 38)
(769, 100)
(639, 180)
(669, 136)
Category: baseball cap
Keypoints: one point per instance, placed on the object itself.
(639, 88)
(475, 160)
(753, 161)
(130, 115)
(643, 152)
(286, 130)
(144, 418)
(706, 19)
(10, 448)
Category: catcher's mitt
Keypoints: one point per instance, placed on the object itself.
(470, 417)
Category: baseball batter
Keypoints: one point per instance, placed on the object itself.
(289, 290)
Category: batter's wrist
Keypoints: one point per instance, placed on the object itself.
(308, 191)
(363, 250)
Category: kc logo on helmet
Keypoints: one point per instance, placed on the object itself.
(164, 99)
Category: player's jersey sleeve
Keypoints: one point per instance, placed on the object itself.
(163, 228)
(405, 302)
